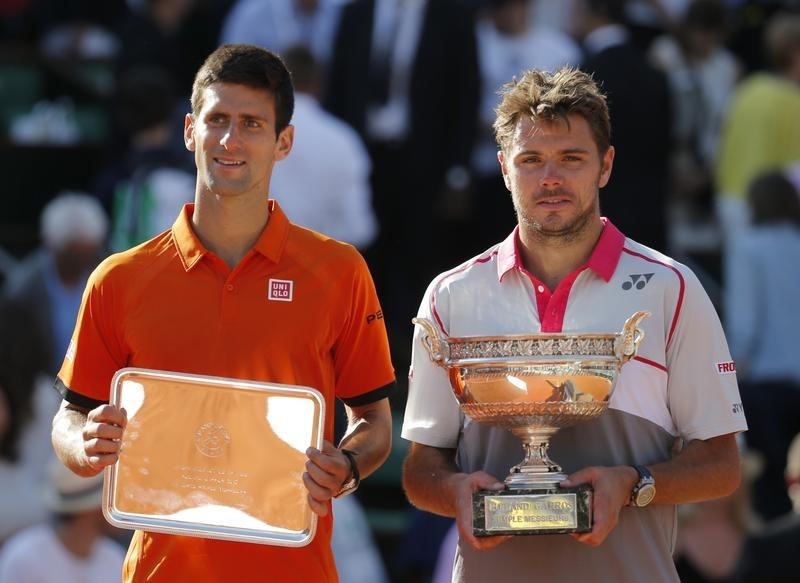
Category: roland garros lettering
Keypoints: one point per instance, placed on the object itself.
(726, 367)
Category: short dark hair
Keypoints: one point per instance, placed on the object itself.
(542, 95)
(252, 66)
(773, 198)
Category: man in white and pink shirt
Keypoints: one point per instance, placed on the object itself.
(565, 268)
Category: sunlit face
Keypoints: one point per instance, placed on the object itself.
(234, 142)
(554, 172)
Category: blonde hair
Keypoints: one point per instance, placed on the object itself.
(542, 95)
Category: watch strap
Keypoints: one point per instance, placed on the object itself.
(645, 479)
(350, 486)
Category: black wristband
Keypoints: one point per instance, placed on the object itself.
(351, 457)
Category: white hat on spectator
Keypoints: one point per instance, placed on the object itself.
(69, 493)
(72, 217)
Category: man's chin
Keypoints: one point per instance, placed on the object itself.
(558, 231)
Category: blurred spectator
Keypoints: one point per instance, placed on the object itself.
(278, 25)
(553, 15)
(648, 19)
(16, 22)
(761, 128)
(7, 263)
(508, 43)
(73, 547)
(146, 189)
(80, 29)
(702, 75)
(749, 18)
(762, 284)
(417, 554)
(175, 34)
(49, 283)
(405, 76)
(24, 423)
(641, 117)
(712, 534)
(443, 572)
(357, 556)
(324, 185)
(772, 554)
(20, 505)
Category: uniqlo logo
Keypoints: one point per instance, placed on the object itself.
(280, 290)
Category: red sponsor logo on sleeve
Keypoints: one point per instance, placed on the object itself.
(726, 367)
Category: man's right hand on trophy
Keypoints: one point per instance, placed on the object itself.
(102, 435)
(612, 490)
(464, 485)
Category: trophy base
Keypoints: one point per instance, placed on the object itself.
(542, 510)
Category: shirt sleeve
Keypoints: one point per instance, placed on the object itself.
(95, 351)
(363, 363)
(433, 416)
(702, 388)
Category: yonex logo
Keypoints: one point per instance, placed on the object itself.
(280, 290)
(638, 280)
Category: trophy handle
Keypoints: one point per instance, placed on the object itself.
(628, 341)
(433, 342)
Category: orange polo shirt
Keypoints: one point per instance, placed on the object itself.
(300, 308)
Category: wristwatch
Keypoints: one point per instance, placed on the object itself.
(351, 485)
(644, 490)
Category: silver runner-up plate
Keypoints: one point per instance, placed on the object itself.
(213, 457)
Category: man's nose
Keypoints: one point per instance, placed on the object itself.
(551, 175)
(230, 139)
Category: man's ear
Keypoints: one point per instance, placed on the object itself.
(501, 158)
(607, 164)
(284, 143)
(188, 132)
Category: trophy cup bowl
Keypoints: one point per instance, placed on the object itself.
(533, 385)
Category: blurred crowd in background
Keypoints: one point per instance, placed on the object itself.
(394, 153)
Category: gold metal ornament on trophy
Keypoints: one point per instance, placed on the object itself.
(533, 385)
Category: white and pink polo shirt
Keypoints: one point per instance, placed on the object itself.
(682, 383)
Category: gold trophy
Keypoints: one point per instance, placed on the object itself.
(533, 385)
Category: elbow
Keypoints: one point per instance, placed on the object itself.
(729, 478)
(732, 481)
(409, 482)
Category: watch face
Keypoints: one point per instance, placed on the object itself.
(645, 495)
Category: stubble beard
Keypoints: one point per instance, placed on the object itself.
(556, 237)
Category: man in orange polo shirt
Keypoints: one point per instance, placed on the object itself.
(234, 289)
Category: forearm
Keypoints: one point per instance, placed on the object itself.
(429, 476)
(67, 438)
(702, 470)
(369, 435)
